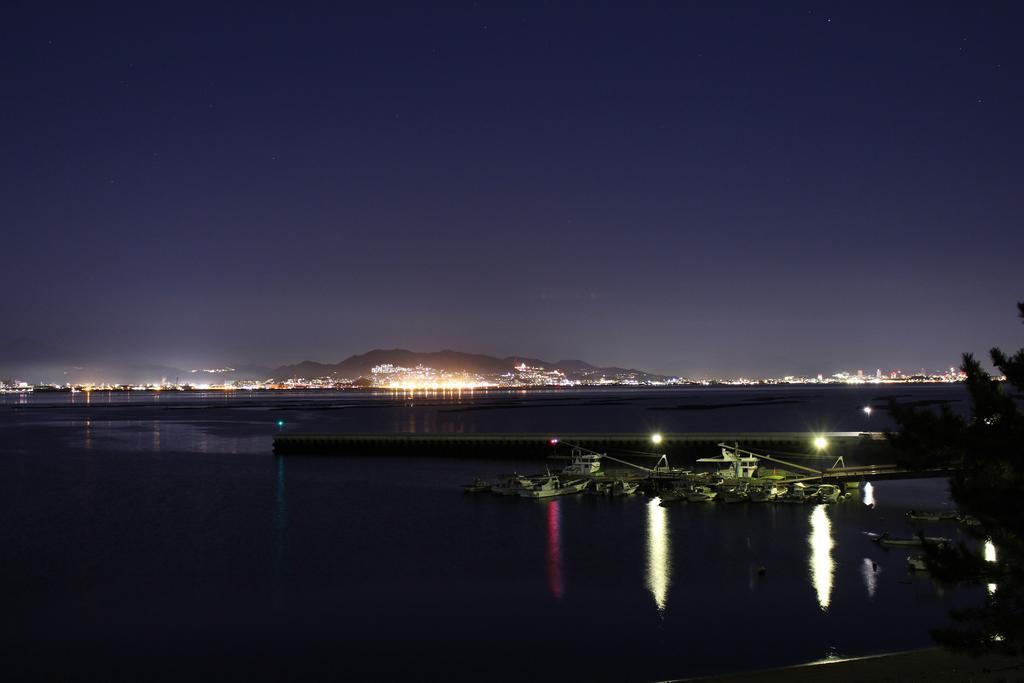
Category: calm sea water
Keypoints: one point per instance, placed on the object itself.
(158, 537)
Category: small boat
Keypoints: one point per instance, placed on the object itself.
(671, 497)
(512, 485)
(935, 516)
(916, 563)
(797, 494)
(701, 494)
(911, 542)
(736, 494)
(478, 486)
(553, 486)
(827, 493)
(765, 492)
(624, 488)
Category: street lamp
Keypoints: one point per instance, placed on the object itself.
(820, 443)
(656, 439)
(867, 410)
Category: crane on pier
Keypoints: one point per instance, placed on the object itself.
(581, 453)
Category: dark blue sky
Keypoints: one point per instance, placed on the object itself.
(685, 187)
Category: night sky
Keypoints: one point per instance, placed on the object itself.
(719, 187)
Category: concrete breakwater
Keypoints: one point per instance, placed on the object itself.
(859, 447)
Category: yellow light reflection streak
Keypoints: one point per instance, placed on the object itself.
(990, 556)
(821, 563)
(659, 554)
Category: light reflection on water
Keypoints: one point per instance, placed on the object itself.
(659, 555)
(869, 494)
(869, 570)
(990, 556)
(821, 563)
(556, 580)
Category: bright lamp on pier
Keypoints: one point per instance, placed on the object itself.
(656, 439)
(820, 443)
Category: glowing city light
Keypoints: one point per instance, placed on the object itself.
(867, 410)
(656, 439)
(280, 423)
(553, 442)
(820, 443)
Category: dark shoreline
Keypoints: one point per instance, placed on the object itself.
(931, 664)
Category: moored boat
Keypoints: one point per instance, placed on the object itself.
(933, 516)
(553, 486)
(888, 541)
(624, 488)
(826, 493)
(512, 485)
(796, 494)
(701, 494)
(478, 486)
(736, 494)
(762, 493)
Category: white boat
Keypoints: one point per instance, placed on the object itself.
(827, 493)
(763, 493)
(512, 485)
(701, 494)
(736, 494)
(553, 486)
(796, 494)
(584, 464)
(672, 496)
(624, 488)
(738, 464)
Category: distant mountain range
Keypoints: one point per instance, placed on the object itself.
(361, 365)
(34, 361)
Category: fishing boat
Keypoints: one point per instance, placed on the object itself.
(478, 486)
(701, 494)
(738, 463)
(512, 485)
(763, 493)
(553, 486)
(797, 494)
(736, 494)
(614, 487)
(624, 488)
(584, 463)
(672, 496)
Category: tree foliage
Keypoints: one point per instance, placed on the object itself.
(987, 451)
